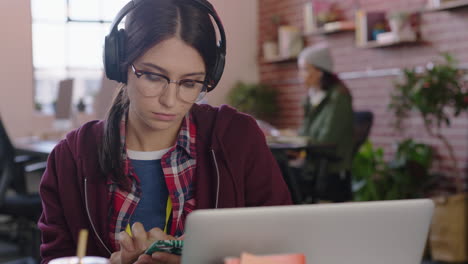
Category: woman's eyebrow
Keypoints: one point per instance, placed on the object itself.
(164, 71)
(194, 74)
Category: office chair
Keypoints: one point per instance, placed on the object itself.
(22, 208)
(288, 175)
(104, 97)
(363, 121)
(315, 181)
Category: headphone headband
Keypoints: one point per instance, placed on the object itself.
(115, 44)
(212, 12)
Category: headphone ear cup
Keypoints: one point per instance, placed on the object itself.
(122, 42)
(114, 53)
(218, 70)
(109, 56)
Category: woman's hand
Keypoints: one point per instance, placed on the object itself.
(159, 257)
(132, 247)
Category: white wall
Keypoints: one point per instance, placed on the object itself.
(240, 23)
(16, 79)
(16, 76)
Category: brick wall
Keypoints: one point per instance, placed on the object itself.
(445, 31)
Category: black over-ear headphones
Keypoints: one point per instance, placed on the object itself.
(115, 41)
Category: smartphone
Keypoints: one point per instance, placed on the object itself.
(168, 246)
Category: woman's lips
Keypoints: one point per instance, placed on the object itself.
(164, 117)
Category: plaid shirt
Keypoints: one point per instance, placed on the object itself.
(178, 166)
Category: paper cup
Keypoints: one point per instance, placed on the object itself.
(76, 260)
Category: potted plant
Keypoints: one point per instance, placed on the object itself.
(256, 99)
(81, 106)
(328, 12)
(404, 177)
(437, 94)
(38, 106)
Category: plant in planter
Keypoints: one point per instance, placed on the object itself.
(37, 106)
(258, 100)
(369, 172)
(328, 12)
(410, 169)
(81, 106)
(437, 94)
(432, 94)
(404, 177)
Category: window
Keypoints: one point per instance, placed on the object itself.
(68, 38)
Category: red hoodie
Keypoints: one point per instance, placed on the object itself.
(235, 168)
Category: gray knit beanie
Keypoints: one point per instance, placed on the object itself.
(318, 56)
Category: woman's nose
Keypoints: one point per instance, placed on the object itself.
(168, 97)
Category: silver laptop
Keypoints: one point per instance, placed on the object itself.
(382, 232)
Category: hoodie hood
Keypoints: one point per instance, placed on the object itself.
(212, 123)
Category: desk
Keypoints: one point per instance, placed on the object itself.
(286, 146)
(31, 154)
(287, 142)
(35, 147)
(320, 153)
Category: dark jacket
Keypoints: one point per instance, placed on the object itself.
(234, 169)
(331, 121)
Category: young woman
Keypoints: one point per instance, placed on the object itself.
(328, 118)
(134, 177)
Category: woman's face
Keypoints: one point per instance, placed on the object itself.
(310, 75)
(165, 111)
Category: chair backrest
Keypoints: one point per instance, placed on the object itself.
(104, 97)
(63, 106)
(363, 121)
(7, 160)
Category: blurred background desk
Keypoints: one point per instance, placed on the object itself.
(34, 146)
(291, 154)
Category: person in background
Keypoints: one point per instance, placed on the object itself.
(135, 176)
(328, 118)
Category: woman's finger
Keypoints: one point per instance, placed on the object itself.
(157, 234)
(139, 236)
(115, 258)
(144, 259)
(126, 241)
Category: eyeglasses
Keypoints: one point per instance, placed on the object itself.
(153, 84)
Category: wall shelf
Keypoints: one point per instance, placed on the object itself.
(375, 44)
(279, 60)
(449, 5)
(332, 28)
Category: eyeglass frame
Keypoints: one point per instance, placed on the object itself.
(139, 73)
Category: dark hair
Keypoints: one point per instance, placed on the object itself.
(150, 23)
(331, 81)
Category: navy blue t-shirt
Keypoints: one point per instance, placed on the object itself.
(151, 209)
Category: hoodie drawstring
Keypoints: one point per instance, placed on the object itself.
(89, 215)
(218, 179)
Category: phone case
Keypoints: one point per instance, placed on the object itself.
(169, 246)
